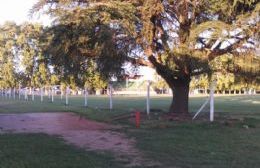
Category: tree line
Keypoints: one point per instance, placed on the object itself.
(24, 61)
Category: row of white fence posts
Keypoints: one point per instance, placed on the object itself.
(67, 91)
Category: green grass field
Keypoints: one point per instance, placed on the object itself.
(183, 145)
(202, 146)
(42, 151)
(98, 105)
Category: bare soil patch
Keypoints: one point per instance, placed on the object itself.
(75, 130)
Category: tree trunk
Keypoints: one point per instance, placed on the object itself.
(179, 84)
(180, 99)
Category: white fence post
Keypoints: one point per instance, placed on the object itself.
(212, 90)
(67, 98)
(41, 94)
(32, 92)
(10, 93)
(49, 93)
(14, 93)
(110, 96)
(6, 93)
(148, 97)
(26, 94)
(52, 97)
(86, 98)
(19, 92)
(61, 93)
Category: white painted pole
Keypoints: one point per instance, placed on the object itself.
(67, 98)
(41, 94)
(32, 94)
(19, 92)
(52, 97)
(86, 98)
(110, 97)
(49, 93)
(10, 93)
(26, 94)
(14, 93)
(61, 94)
(212, 89)
(148, 98)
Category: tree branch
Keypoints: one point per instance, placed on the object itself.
(140, 61)
(230, 49)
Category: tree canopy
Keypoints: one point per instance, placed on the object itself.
(178, 38)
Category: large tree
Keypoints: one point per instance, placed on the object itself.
(178, 38)
(74, 47)
(8, 32)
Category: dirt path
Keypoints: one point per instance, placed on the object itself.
(81, 132)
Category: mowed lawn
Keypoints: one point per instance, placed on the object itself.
(42, 151)
(222, 144)
(98, 106)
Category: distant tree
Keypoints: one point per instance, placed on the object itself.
(178, 38)
(160, 85)
(8, 74)
(42, 72)
(93, 79)
(225, 82)
(34, 67)
(201, 81)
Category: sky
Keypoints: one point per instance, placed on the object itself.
(18, 11)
